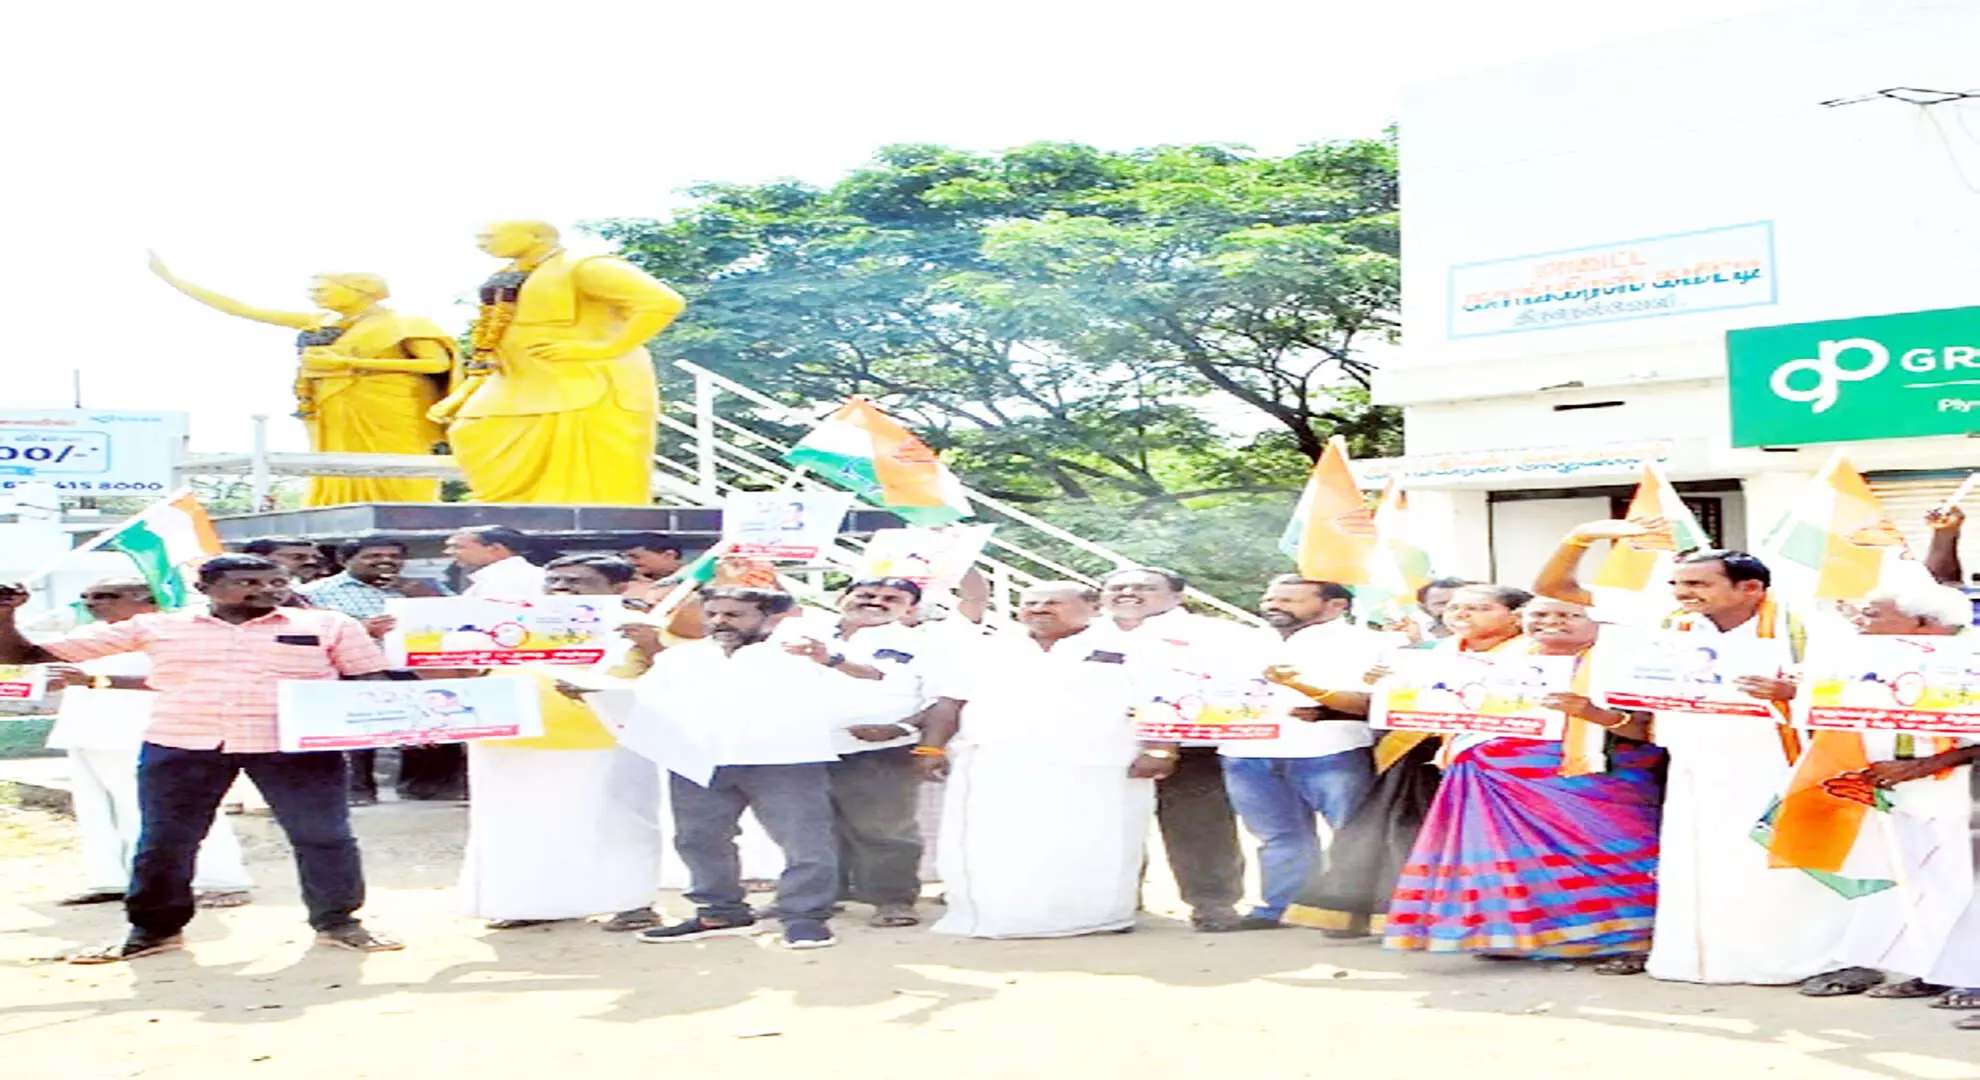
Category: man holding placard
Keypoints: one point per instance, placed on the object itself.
(1725, 913)
(562, 826)
(1913, 786)
(216, 673)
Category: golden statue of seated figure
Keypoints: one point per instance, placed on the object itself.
(366, 380)
(559, 403)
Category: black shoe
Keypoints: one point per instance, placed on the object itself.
(1259, 922)
(1216, 922)
(697, 929)
(93, 896)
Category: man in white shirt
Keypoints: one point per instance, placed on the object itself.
(892, 675)
(105, 708)
(1199, 830)
(1320, 763)
(1049, 796)
(763, 719)
(492, 556)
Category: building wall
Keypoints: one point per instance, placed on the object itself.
(1873, 209)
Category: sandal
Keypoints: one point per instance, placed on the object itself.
(1909, 988)
(1967, 1023)
(135, 946)
(636, 919)
(1968, 998)
(1627, 964)
(355, 938)
(886, 916)
(1849, 980)
(518, 924)
(223, 898)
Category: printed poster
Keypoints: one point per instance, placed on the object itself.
(1928, 685)
(1678, 672)
(794, 525)
(359, 715)
(931, 558)
(21, 682)
(1443, 690)
(1220, 713)
(459, 632)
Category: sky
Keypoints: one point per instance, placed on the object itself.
(254, 144)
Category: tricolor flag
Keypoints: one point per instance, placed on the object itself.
(865, 451)
(1836, 542)
(1398, 566)
(167, 539)
(1332, 532)
(1637, 563)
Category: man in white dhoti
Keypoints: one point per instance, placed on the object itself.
(562, 826)
(1724, 914)
(1049, 793)
(1910, 929)
(104, 710)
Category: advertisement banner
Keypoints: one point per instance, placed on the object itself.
(1445, 690)
(331, 715)
(458, 632)
(90, 451)
(1215, 713)
(1881, 377)
(1673, 671)
(1678, 274)
(1926, 685)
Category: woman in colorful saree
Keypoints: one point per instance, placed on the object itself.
(1347, 895)
(1540, 849)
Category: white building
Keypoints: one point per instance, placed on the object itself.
(1722, 150)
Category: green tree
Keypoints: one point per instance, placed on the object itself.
(1116, 337)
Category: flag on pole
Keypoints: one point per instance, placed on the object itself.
(865, 451)
(1332, 532)
(1638, 562)
(165, 540)
(1836, 542)
(1399, 566)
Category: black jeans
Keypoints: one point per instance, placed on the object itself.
(1199, 832)
(793, 802)
(425, 772)
(178, 792)
(873, 812)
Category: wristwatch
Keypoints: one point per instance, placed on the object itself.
(835, 659)
(99, 682)
(1160, 753)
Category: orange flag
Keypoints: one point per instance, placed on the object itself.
(1335, 525)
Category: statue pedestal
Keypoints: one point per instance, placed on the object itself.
(425, 526)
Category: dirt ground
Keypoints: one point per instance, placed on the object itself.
(251, 999)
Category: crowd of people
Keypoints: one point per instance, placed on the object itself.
(1629, 842)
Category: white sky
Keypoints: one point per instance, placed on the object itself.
(253, 144)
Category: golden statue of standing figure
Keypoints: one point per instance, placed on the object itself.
(366, 379)
(559, 403)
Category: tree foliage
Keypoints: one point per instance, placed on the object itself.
(1091, 331)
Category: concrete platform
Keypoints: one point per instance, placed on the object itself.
(426, 525)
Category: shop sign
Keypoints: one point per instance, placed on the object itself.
(1879, 377)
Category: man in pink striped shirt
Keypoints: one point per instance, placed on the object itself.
(215, 673)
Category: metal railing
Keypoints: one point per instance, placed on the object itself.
(710, 453)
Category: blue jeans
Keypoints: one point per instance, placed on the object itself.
(178, 793)
(794, 803)
(1276, 798)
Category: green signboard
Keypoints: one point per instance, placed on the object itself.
(1880, 377)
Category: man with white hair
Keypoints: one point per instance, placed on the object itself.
(1929, 926)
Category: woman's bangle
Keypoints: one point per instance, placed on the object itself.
(1576, 541)
(929, 751)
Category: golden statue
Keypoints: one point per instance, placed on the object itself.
(559, 402)
(367, 378)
